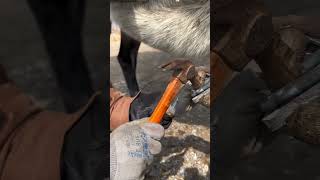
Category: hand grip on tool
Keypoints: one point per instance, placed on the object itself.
(184, 70)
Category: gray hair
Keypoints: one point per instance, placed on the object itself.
(180, 27)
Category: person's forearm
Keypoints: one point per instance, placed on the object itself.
(119, 108)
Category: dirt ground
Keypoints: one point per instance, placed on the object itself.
(186, 145)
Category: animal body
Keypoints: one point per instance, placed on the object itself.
(181, 28)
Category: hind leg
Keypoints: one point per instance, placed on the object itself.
(128, 60)
(60, 23)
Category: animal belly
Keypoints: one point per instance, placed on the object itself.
(181, 30)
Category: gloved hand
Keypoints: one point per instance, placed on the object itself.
(144, 104)
(132, 146)
(236, 120)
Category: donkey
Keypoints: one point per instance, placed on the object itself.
(181, 28)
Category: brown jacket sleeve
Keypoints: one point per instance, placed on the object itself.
(31, 138)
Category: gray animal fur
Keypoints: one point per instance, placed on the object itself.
(181, 28)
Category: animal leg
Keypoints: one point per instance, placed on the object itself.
(60, 23)
(127, 58)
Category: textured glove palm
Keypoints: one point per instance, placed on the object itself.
(132, 148)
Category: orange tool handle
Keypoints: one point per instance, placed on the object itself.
(170, 93)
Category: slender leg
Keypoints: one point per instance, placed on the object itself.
(60, 23)
(128, 60)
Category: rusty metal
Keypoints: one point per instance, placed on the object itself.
(184, 70)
